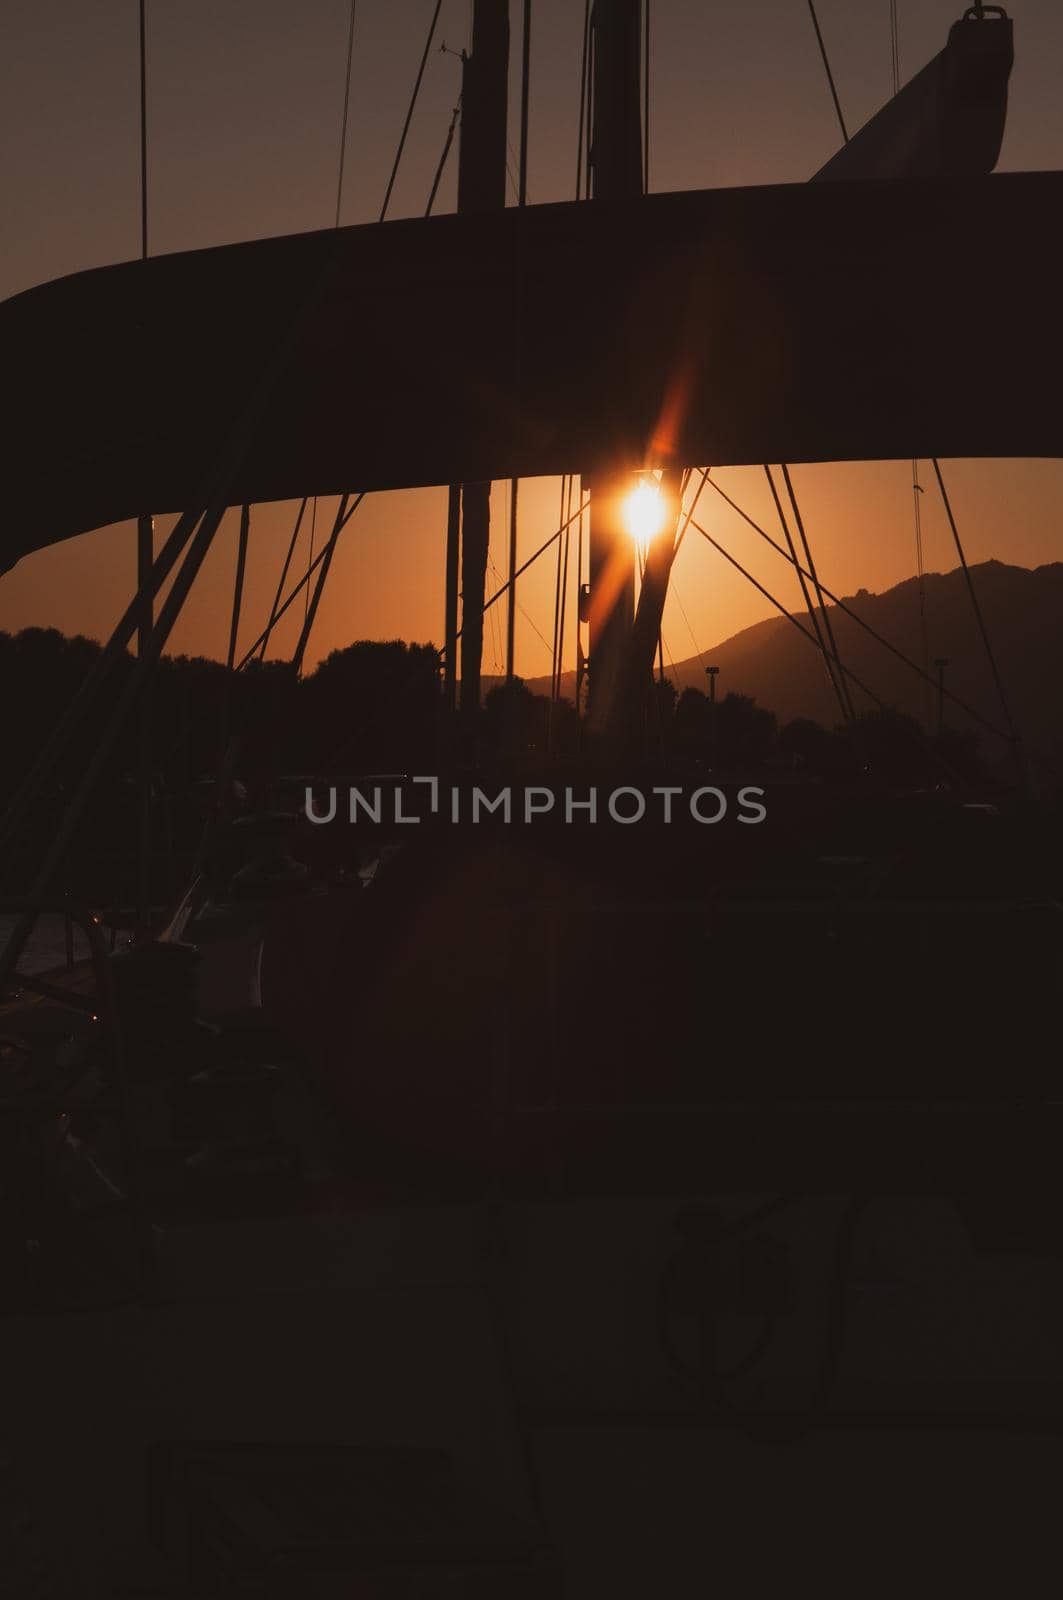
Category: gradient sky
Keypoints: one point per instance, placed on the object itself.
(245, 105)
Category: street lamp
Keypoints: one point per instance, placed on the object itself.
(710, 673)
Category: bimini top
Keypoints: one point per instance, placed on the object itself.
(824, 321)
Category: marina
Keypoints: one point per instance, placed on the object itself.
(466, 1140)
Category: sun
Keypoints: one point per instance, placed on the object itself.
(644, 512)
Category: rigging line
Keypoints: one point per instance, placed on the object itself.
(589, 128)
(564, 607)
(143, 138)
(525, 88)
(917, 512)
(284, 573)
(410, 110)
(145, 535)
(583, 95)
(934, 460)
(319, 587)
(238, 585)
(496, 643)
(313, 530)
(579, 602)
(917, 492)
(104, 744)
(557, 597)
(443, 158)
(346, 107)
(840, 684)
(686, 619)
(496, 634)
(983, 630)
(543, 548)
(511, 617)
(807, 597)
(646, 98)
(514, 485)
(496, 627)
(304, 580)
(857, 618)
(919, 736)
(211, 495)
(663, 645)
(680, 536)
(582, 134)
(528, 619)
(234, 629)
(541, 551)
(826, 68)
(564, 589)
(678, 542)
(830, 654)
(212, 490)
(827, 624)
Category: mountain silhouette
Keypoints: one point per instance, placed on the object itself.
(1023, 613)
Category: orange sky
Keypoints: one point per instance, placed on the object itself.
(245, 104)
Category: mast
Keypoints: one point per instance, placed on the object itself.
(481, 187)
(145, 561)
(948, 119)
(450, 611)
(514, 483)
(645, 639)
(616, 167)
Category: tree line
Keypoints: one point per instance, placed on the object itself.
(376, 707)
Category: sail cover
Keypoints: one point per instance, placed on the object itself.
(947, 121)
(824, 321)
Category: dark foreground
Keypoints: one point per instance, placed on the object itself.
(548, 1210)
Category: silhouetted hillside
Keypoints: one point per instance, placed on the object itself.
(1023, 610)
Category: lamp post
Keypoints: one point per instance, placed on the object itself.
(941, 662)
(710, 673)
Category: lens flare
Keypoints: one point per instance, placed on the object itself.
(644, 513)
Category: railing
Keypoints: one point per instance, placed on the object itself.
(101, 1007)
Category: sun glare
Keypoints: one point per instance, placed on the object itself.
(644, 512)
